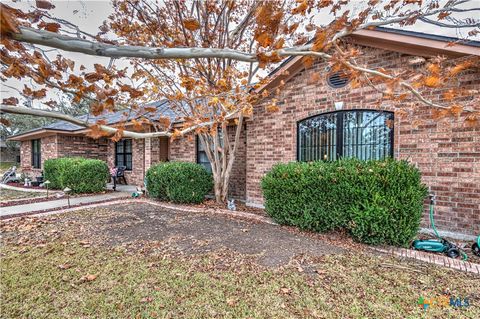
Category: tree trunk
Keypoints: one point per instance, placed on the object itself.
(222, 158)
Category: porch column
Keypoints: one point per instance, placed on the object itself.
(148, 153)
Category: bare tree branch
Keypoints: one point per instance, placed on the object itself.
(447, 25)
(73, 44)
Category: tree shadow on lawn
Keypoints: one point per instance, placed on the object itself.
(194, 233)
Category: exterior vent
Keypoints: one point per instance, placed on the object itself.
(337, 80)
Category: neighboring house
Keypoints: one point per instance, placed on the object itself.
(318, 120)
(8, 153)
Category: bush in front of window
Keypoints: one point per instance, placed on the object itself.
(81, 175)
(379, 202)
(389, 206)
(307, 195)
(179, 182)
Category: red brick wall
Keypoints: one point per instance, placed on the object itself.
(48, 150)
(446, 152)
(237, 185)
(26, 155)
(81, 146)
(183, 149)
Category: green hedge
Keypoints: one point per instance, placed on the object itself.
(379, 202)
(79, 174)
(180, 182)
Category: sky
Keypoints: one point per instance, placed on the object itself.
(89, 15)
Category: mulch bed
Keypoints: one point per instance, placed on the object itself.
(21, 185)
(241, 207)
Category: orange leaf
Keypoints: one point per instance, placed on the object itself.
(460, 67)
(96, 108)
(64, 266)
(88, 277)
(7, 21)
(301, 8)
(443, 15)
(39, 94)
(432, 81)
(472, 120)
(264, 39)
(93, 77)
(191, 24)
(118, 135)
(110, 104)
(273, 107)
(389, 123)
(52, 27)
(4, 121)
(137, 125)
(164, 122)
(44, 4)
(176, 134)
(96, 132)
(150, 109)
(456, 109)
(10, 101)
(449, 95)
(320, 39)
(307, 61)
(434, 68)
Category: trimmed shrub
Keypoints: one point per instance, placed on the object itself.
(180, 182)
(81, 175)
(379, 202)
(390, 207)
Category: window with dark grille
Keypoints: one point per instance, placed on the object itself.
(36, 154)
(123, 154)
(202, 157)
(337, 80)
(367, 135)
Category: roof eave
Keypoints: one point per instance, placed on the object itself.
(34, 134)
(410, 44)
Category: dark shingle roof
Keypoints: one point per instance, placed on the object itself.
(163, 109)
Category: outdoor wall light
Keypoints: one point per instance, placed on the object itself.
(338, 105)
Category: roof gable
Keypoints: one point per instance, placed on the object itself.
(407, 42)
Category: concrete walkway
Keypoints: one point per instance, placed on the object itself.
(59, 203)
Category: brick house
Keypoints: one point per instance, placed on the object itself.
(325, 119)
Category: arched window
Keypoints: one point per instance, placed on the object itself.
(363, 134)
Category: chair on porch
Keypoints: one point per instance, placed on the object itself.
(118, 175)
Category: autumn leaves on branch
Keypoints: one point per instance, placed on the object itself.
(204, 57)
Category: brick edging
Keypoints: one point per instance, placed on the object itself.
(431, 258)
